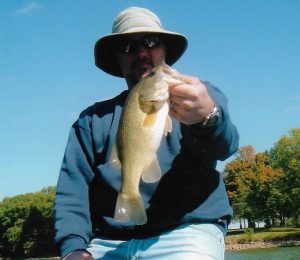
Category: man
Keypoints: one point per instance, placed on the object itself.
(188, 209)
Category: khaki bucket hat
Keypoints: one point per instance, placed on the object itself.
(131, 21)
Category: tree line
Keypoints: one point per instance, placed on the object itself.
(262, 186)
(26, 225)
(265, 186)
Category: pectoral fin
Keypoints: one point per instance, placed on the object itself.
(168, 125)
(114, 158)
(151, 172)
(150, 119)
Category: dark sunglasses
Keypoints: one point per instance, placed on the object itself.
(129, 46)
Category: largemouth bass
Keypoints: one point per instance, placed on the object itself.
(144, 121)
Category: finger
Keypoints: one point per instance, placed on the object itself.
(176, 99)
(187, 91)
(180, 90)
(182, 102)
(183, 117)
(178, 110)
(190, 79)
(176, 115)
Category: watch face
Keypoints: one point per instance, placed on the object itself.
(213, 117)
(213, 120)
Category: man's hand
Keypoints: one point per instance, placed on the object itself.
(78, 255)
(190, 103)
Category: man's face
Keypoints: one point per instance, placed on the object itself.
(138, 55)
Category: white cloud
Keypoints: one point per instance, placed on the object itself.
(31, 7)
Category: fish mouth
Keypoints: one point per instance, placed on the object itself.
(142, 68)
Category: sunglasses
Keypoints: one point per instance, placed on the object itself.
(130, 46)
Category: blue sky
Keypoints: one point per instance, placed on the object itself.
(248, 48)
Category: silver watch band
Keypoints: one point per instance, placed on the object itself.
(214, 114)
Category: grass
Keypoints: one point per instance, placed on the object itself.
(263, 234)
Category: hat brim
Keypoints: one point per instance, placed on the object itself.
(104, 50)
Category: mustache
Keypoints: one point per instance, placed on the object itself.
(144, 61)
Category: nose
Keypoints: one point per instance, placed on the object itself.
(141, 51)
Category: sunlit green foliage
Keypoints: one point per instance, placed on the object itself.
(266, 186)
(285, 155)
(26, 224)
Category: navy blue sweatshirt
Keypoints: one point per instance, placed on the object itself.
(190, 190)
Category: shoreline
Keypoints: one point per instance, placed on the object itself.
(260, 244)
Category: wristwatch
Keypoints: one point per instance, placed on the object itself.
(212, 118)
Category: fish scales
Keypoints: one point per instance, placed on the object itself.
(143, 122)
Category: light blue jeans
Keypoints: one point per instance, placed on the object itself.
(189, 241)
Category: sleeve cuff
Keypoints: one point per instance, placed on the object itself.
(72, 244)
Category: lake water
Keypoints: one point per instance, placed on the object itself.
(282, 253)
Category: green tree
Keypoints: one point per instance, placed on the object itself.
(263, 182)
(285, 155)
(26, 224)
(236, 178)
(249, 178)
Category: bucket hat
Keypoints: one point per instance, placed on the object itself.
(131, 21)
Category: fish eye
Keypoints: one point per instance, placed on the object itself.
(151, 73)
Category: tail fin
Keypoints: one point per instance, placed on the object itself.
(130, 209)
